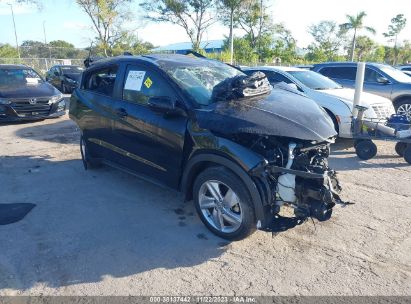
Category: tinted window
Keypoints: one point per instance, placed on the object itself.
(315, 80)
(371, 75)
(276, 77)
(348, 73)
(141, 84)
(406, 69)
(272, 77)
(101, 81)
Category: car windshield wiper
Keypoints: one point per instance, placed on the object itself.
(241, 86)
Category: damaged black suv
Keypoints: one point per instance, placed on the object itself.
(236, 146)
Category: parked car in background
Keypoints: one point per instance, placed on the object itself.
(406, 68)
(236, 146)
(336, 100)
(24, 95)
(380, 79)
(64, 77)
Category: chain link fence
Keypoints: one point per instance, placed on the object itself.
(41, 65)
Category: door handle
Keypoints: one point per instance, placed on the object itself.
(121, 113)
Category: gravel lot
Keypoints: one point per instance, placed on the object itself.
(103, 232)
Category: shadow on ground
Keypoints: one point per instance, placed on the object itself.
(13, 213)
(57, 131)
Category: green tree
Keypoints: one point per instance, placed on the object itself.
(107, 17)
(254, 19)
(285, 45)
(394, 29)
(356, 24)
(364, 48)
(229, 8)
(328, 39)
(8, 51)
(243, 51)
(34, 49)
(404, 54)
(194, 16)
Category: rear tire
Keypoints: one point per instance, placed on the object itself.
(400, 148)
(366, 149)
(224, 204)
(88, 161)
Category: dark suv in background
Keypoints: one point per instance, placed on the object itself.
(64, 77)
(380, 79)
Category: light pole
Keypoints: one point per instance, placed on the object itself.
(15, 31)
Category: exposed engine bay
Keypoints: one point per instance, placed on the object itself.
(297, 173)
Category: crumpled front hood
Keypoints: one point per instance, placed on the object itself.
(347, 96)
(279, 114)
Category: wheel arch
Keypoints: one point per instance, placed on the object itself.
(399, 99)
(334, 119)
(201, 161)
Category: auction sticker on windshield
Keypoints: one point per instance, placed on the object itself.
(134, 80)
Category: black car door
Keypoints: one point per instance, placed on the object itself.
(149, 142)
(95, 110)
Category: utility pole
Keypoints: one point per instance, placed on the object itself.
(45, 43)
(261, 27)
(15, 31)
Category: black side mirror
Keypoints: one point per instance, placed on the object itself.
(163, 104)
(383, 80)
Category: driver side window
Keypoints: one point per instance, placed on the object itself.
(142, 83)
(371, 75)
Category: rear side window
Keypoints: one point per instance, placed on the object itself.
(101, 81)
(141, 83)
(348, 73)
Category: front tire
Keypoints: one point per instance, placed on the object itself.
(224, 204)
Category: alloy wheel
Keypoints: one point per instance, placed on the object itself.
(405, 109)
(220, 206)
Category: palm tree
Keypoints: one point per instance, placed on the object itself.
(356, 23)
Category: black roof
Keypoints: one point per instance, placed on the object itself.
(156, 59)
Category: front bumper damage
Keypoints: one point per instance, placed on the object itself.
(312, 192)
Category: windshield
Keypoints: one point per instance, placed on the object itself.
(315, 80)
(396, 74)
(71, 69)
(12, 77)
(199, 79)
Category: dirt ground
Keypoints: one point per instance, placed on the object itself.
(103, 232)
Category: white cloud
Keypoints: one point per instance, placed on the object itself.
(75, 25)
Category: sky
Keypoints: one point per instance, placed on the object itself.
(64, 20)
